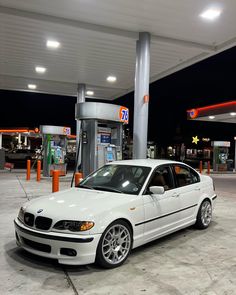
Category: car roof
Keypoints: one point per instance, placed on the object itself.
(145, 162)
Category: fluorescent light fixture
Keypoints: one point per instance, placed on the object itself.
(40, 70)
(111, 79)
(232, 114)
(211, 14)
(89, 92)
(211, 117)
(53, 44)
(32, 86)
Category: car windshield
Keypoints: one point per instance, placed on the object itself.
(124, 179)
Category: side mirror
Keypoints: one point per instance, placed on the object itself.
(157, 190)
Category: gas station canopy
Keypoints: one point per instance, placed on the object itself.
(222, 112)
(51, 46)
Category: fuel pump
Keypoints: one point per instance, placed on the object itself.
(220, 155)
(54, 148)
(102, 131)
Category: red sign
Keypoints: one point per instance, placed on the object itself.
(193, 113)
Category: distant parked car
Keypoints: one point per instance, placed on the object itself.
(20, 155)
(119, 207)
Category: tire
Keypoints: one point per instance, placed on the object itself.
(204, 215)
(115, 245)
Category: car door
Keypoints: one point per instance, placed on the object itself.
(161, 211)
(189, 190)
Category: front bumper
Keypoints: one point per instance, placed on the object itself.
(53, 245)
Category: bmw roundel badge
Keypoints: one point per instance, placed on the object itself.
(40, 210)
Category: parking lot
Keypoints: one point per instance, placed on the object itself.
(187, 262)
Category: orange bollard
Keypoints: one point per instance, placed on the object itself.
(55, 180)
(78, 178)
(208, 167)
(28, 170)
(200, 167)
(38, 170)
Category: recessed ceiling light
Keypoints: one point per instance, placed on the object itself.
(32, 86)
(89, 92)
(40, 70)
(53, 44)
(232, 114)
(111, 79)
(211, 14)
(211, 117)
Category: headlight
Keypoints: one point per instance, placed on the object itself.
(74, 225)
(21, 214)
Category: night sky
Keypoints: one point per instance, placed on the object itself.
(208, 82)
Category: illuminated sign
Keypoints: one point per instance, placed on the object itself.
(66, 130)
(195, 139)
(205, 139)
(221, 143)
(193, 113)
(124, 115)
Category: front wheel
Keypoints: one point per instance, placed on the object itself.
(204, 215)
(114, 245)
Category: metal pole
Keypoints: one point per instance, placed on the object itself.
(80, 98)
(0, 141)
(141, 97)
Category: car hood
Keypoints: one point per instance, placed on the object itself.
(77, 204)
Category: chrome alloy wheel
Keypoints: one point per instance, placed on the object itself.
(116, 244)
(206, 213)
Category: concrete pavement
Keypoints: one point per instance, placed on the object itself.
(188, 262)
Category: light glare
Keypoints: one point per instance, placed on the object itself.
(125, 183)
(232, 114)
(211, 117)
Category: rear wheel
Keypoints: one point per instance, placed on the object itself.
(204, 215)
(114, 245)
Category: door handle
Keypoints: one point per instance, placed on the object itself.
(175, 195)
(197, 188)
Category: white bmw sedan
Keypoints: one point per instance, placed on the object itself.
(117, 208)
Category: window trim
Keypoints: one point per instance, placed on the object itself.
(145, 191)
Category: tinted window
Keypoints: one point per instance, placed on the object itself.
(123, 178)
(185, 175)
(162, 177)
